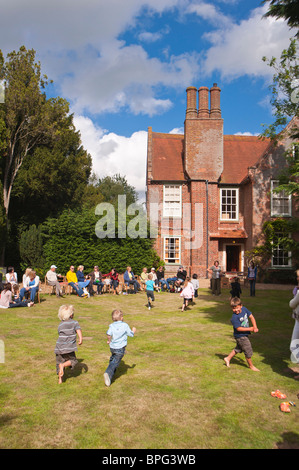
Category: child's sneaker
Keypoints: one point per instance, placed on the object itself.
(107, 380)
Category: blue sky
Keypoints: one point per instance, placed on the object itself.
(124, 65)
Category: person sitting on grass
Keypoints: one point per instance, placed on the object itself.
(150, 285)
(66, 344)
(7, 301)
(240, 322)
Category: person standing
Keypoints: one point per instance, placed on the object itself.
(252, 272)
(215, 270)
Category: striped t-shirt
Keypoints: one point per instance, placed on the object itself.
(66, 342)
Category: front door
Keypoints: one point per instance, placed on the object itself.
(233, 258)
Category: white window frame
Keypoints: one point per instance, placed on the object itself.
(176, 202)
(295, 151)
(177, 259)
(289, 263)
(281, 196)
(225, 216)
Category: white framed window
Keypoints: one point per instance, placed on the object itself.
(172, 250)
(229, 204)
(281, 258)
(172, 200)
(295, 151)
(281, 203)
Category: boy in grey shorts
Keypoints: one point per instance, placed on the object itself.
(240, 322)
(66, 344)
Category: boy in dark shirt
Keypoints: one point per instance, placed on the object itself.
(240, 322)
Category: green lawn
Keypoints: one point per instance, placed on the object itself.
(172, 389)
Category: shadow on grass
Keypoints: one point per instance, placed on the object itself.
(69, 373)
(122, 370)
(290, 440)
(240, 361)
(6, 419)
(273, 317)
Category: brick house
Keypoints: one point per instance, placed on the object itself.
(211, 193)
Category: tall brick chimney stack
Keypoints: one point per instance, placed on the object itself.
(191, 111)
(203, 103)
(203, 143)
(215, 102)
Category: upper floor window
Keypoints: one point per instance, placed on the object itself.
(281, 257)
(296, 151)
(172, 200)
(229, 204)
(281, 202)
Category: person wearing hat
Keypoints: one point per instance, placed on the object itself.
(52, 280)
(154, 278)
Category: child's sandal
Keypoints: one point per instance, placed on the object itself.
(284, 406)
(278, 394)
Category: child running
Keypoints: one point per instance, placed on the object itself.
(187, 293)
(117, 338)
(66, 345)
(240, 322)
(150, 286)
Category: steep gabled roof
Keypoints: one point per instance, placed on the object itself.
(167, 157)
(239, 153)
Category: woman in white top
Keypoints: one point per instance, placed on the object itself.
(11, 276)
(31, 285)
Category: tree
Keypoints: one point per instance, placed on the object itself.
(71, 239)
(40, 152)
(285, 103)
(30, 119)
(113, 186)
(286, 9)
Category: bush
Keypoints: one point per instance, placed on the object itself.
(71, 239)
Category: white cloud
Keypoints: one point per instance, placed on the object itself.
(209, 12)
(247, 134)
(238, 50)
(79, 47)
(114, 154)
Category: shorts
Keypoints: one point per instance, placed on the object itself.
(150, 293)
(61, 358)
(244, 345)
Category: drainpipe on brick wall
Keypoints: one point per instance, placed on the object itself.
(207, 223)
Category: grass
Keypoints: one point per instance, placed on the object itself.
(172, 389)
